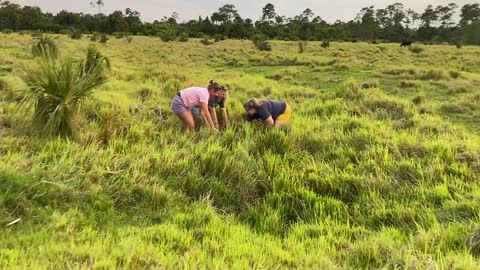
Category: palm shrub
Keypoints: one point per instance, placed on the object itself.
(57, 87)
(261, 43)
(75, 34)
(95, 37)
(45, 43)
(103, 38)
(302, 46)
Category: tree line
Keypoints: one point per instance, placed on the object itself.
(392, 23)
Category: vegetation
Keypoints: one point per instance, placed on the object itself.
(183, 37)
(261, 43)
(45, 43)
(379, 169)
(394, 23)
(56, 88)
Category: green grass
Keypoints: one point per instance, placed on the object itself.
(378, 177)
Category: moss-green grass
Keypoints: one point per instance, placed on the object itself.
(380, 168)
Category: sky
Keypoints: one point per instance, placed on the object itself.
(150, 10)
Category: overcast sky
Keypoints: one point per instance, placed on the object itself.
(150, 10)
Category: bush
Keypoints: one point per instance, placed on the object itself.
(70, 82)
(206, 42)
(120, 35)
(75, 34)
(7, 31)
(103, 38)
(261, 43)
(218, 37)
(417, 100)
(455, 74)
(325, 44)
(405, 84)
(167, 36)
(95, 37)
(302, 46)
(45, 45)
(183, 37)
(416, 49)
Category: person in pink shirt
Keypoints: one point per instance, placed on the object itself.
(187, 99)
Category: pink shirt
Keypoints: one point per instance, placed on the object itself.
(193, 96)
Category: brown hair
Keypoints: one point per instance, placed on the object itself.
(253, 103)
(214, 86)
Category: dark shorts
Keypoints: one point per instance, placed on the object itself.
(178, 106)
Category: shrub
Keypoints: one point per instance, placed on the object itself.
(416, 49)
(474, 243)
(7, 31)
(56, 88)
(183, 37)
(168, 35)
(103, 38)
(417, 100)
(45, 45)
(118, 35)
(95, 37)
(455, 74)
(261, 43)
(302, 46)
(36, 34)
(75, 34)
(206, 42)
(218, 37)
(405, 84)
(325, 44)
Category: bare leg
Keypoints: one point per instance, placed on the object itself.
(280, 123)
(187, 119)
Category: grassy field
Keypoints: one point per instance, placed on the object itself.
(379, 170)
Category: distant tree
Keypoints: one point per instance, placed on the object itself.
(268, 13)
(445, 14)
(368, 23)
(470, 14)
(99, 4)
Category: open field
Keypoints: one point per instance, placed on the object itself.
(380, 168)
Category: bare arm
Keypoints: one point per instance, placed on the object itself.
(225, 117)
(269, 122)
(206, 115)
(213, 114)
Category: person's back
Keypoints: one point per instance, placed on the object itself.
(271, 112)
(193, 96)
(273, 108)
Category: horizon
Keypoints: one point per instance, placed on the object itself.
(344, 10)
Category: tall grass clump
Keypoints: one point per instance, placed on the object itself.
(45, 43)
(302, 46)
(75, 34)
(103, 38)
(416, 49)
(56, 89)
(261, 43)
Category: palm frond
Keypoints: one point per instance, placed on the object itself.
(57, 87)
